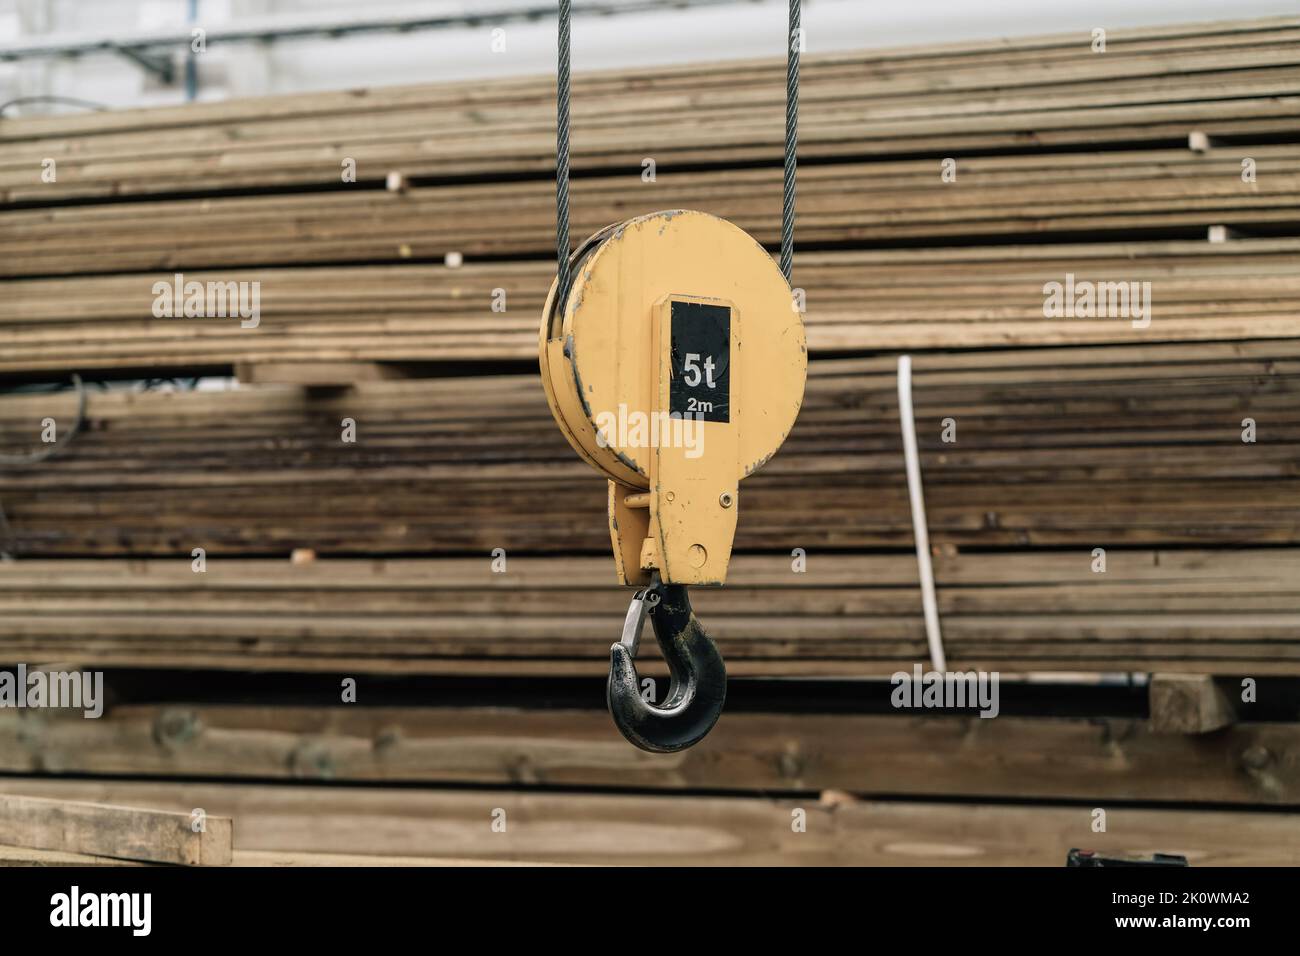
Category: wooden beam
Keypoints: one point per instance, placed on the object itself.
(26, 856)
(592, 828)
(315, 374)
(99, 829)
(888, 754)
(1188, 704)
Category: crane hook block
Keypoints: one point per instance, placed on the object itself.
(675, 365)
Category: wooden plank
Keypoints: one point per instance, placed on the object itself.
(1189, 704)
(857, 300)
(21, 856)
(692, 830)
(299, 858)
(102, 829)
(894, 754)
(25, 856)
(327, 374)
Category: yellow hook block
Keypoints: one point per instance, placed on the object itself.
(675, 366)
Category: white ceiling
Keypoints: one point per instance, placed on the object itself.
(670, 35)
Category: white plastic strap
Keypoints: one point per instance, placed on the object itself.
(920, 530)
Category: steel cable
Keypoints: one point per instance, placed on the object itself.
(562, 95)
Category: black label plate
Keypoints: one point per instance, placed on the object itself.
(701, 382)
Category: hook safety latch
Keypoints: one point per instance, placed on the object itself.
(698, 687)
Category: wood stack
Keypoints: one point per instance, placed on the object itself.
(1150, 87)
(845, 616)
(1049, 140)
(1116, 446)
(1043, 195)
(977, 297)
(1105, 494)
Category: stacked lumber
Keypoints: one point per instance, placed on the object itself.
(845, 616)
(1042, 440)
(976, 297)
(308, 825)
(1109, 447)
(1014, 117)
(1150, 87)
(1040, 195)
(316, 738)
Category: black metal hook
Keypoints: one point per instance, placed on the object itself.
(699, 677)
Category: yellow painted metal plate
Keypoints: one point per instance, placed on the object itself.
(601, 355)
